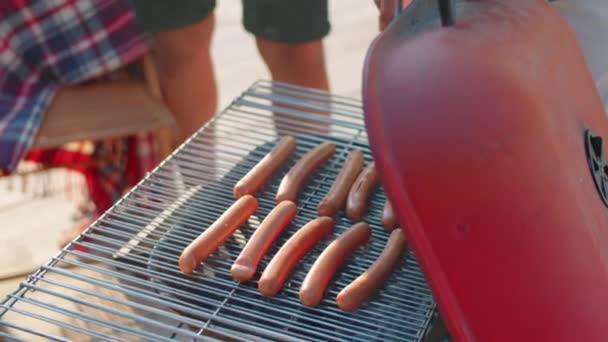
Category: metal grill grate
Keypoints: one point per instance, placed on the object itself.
(127, 286)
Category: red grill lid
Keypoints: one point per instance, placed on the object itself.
(482, 132)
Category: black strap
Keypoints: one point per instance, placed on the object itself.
(446, 12)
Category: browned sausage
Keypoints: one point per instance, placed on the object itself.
(294, 179)
(367, 284)
(330, 260)
(262, 171)
(389, 220)
(291, 252)
(336, 197)
(360, 192)
(217, 233)
(267, 232)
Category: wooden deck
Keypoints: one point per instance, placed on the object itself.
(29, 225)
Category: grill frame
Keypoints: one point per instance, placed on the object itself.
(135, 224)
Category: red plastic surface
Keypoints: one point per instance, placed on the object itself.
(477, 130)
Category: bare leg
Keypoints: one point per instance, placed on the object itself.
(300, 63)
(188, 86)
(186, 74)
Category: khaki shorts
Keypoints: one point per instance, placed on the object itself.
(286, 21)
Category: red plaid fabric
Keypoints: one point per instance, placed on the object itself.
(46, 44)
(110, 168)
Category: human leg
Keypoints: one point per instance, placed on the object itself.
(289, 38)
(181, 48)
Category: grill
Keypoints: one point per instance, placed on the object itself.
(127, 285)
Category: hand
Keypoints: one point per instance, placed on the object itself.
(387, 10)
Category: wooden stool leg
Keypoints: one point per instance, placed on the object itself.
(165, 142)
(164, 135)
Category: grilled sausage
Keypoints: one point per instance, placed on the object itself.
(293, 180)
(247, 262)
(336, 197)
(291, 252)
(360, 192)
(367, 284)
(389, 220)
(330, 260)
(217, 233)
(265, 168)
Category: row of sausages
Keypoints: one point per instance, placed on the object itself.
(352, 185)
(352, 188)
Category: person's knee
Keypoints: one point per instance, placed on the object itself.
(304, 55)
(298, 56)
(181, 47)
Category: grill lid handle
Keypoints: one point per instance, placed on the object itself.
(597, 163)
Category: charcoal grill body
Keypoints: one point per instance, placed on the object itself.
(481, 131)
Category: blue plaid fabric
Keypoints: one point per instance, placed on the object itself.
(45, 44)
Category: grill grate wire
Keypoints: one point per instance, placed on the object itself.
(127, 286)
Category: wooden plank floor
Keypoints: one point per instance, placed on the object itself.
(29, 226)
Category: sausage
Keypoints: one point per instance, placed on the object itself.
(293, 180)
(267, 232)
(265, 168)
(330, 260)
(360, 192)
(389, 220)
(336, 197)
(217, 233)
(368, 283)
(291, 252)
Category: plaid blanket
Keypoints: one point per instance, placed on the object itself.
(45, 44)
